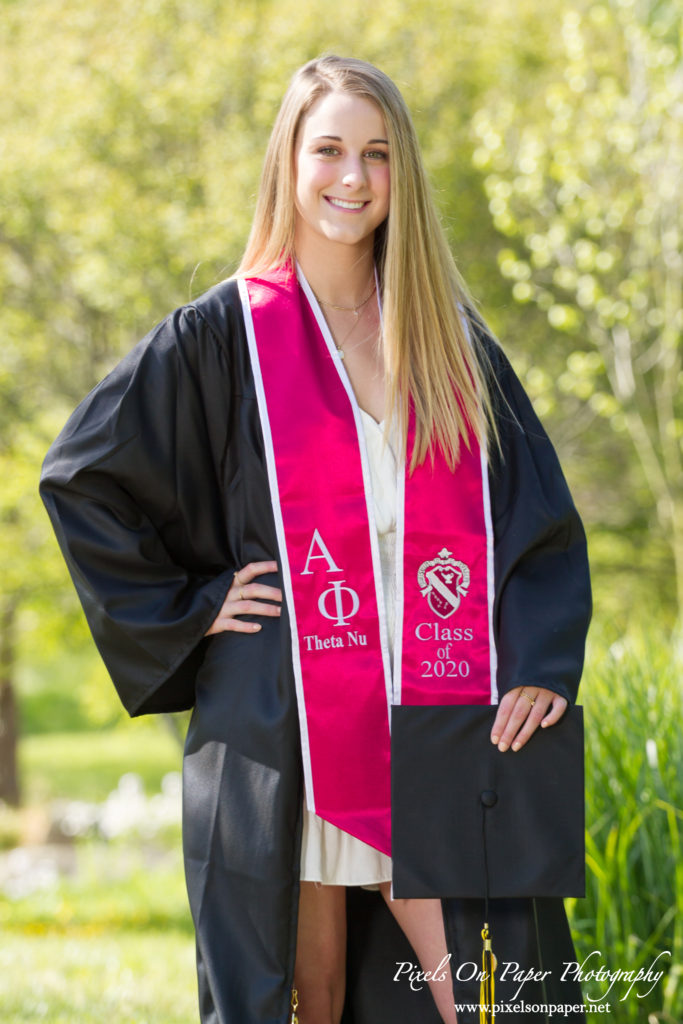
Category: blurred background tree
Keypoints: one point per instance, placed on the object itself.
(583, 175)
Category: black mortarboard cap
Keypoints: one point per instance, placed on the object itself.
(469, 821)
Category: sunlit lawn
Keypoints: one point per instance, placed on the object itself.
(110, 941)
(88, 765)
(103, 976)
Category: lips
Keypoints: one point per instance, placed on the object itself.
(347, 204)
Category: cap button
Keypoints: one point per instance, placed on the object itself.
(489, 798)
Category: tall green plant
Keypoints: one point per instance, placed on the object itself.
(634, 813)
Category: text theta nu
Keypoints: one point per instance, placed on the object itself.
(353, 638)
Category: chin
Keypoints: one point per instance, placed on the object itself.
(348, 237)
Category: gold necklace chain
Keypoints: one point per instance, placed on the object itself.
(342, 353)
(349, 309)
(356, 310)
(339, 345)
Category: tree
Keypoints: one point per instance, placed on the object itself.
(584, 178)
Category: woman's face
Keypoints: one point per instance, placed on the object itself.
(342, 171)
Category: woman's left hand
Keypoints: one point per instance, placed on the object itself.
(520, 713)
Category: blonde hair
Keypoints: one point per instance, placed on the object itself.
(427, 310)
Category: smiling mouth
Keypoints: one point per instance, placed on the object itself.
(347, 204)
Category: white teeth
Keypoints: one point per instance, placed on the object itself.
(346, 204)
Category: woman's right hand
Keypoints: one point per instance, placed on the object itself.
(242, 599)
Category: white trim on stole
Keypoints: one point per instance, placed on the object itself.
(490, 570)
(490, 565)
(282, 543)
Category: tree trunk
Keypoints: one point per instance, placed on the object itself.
(9, 721)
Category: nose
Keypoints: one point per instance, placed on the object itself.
(354, 173)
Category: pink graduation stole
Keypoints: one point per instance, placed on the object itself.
(329, 559)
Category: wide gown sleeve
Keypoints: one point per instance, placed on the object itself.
(130, 485)
(542, 604)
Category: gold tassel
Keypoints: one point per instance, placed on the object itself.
(487, 989)
(295, 1006)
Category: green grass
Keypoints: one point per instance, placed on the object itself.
(88, 765)
(111, 945)
(119, 885)
(93, 977)
(112, 942)
(634, 813)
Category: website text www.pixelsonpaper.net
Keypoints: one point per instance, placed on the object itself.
(549, 1009)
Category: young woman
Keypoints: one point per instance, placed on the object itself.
(271, 509)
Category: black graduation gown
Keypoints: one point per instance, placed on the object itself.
(158, 492)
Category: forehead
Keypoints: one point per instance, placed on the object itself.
(345, 115)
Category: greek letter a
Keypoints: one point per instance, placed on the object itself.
(323, 552)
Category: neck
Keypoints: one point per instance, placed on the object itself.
(343, 276)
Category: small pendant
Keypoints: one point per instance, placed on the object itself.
(341, 354)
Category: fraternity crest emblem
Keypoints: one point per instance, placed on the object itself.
(444, 582)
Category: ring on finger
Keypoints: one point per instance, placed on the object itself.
(530, 699)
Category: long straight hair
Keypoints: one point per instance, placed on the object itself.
(431, 349)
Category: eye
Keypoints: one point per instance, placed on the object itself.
(377, 154)
(327, 150)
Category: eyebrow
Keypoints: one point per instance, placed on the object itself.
(337, 138)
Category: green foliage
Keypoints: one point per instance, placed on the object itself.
(66, 691)
(634, 814)
(583, 176)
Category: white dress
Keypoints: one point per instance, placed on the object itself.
(328, 854)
